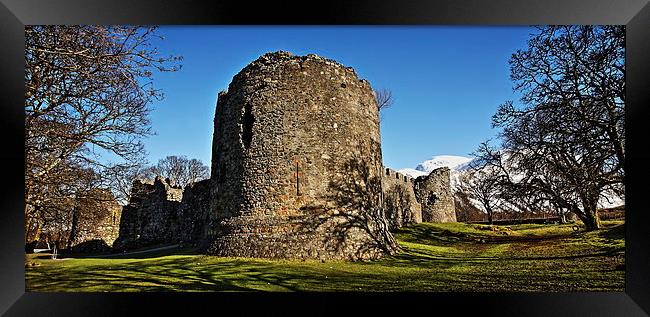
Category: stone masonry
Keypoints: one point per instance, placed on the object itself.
(296, 166)
(160, 213)
(193, 213)
(402, 207)
(435, 196)
(96, 224)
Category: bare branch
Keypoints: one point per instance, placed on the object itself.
(384, 99)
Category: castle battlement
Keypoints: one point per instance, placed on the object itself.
(393, 173)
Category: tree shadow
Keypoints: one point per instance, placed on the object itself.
(614, 233)
(190, 274)
(353, 213)
(437, 236)
(399, 206)
(412, 269)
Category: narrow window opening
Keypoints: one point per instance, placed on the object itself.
(432, 198)
(247, 126)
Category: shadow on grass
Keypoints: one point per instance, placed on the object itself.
(178, 274)
(585, 262)
(230, 274)
(424, 234)
(143, 255)
(613, 232)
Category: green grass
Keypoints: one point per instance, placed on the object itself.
(435, 257)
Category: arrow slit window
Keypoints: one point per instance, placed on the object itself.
(247, 126)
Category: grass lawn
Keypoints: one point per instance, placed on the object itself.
(435, 257)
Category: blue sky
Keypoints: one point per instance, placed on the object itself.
(447, 81)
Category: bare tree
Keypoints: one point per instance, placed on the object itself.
(173, 167)
(485, 186)
(180, 170)
(120, 178)
(56, 216)
(466, 209)
(566, 141)
(197, 171)
(384, 98)
(87, 93)
(94, 80)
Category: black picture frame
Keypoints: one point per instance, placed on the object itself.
(14, 14)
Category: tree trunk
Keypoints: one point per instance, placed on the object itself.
(32, 225)
(35, 235)
(588, 216)
(591, 220)
(74, 227)
(489, 213)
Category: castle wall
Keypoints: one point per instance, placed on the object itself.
(435, 196)
(96, 222)
(193, 213)
(151, 214)
(402, 207)
(296, 165)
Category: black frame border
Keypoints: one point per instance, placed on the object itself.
(15, 14)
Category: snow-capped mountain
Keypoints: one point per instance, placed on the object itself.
(412, 172)
(455, 164)
(451, 161)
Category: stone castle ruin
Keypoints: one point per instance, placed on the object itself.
(96, 224)
(160, 213)
(434, 194)
(296, 173)
(410, 200)
(401, 205)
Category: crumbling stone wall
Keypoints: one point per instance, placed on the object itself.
(193, 213)
(159, 212)
(435, 196)
(95, 222)
(402, 207)
(151, 215)
(296, 167)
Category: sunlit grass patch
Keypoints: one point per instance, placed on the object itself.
(434, 257)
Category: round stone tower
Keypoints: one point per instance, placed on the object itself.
(296, 163)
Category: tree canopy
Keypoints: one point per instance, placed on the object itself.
(565, 139)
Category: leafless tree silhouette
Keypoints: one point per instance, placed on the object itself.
(565, 141)
(384, 98)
